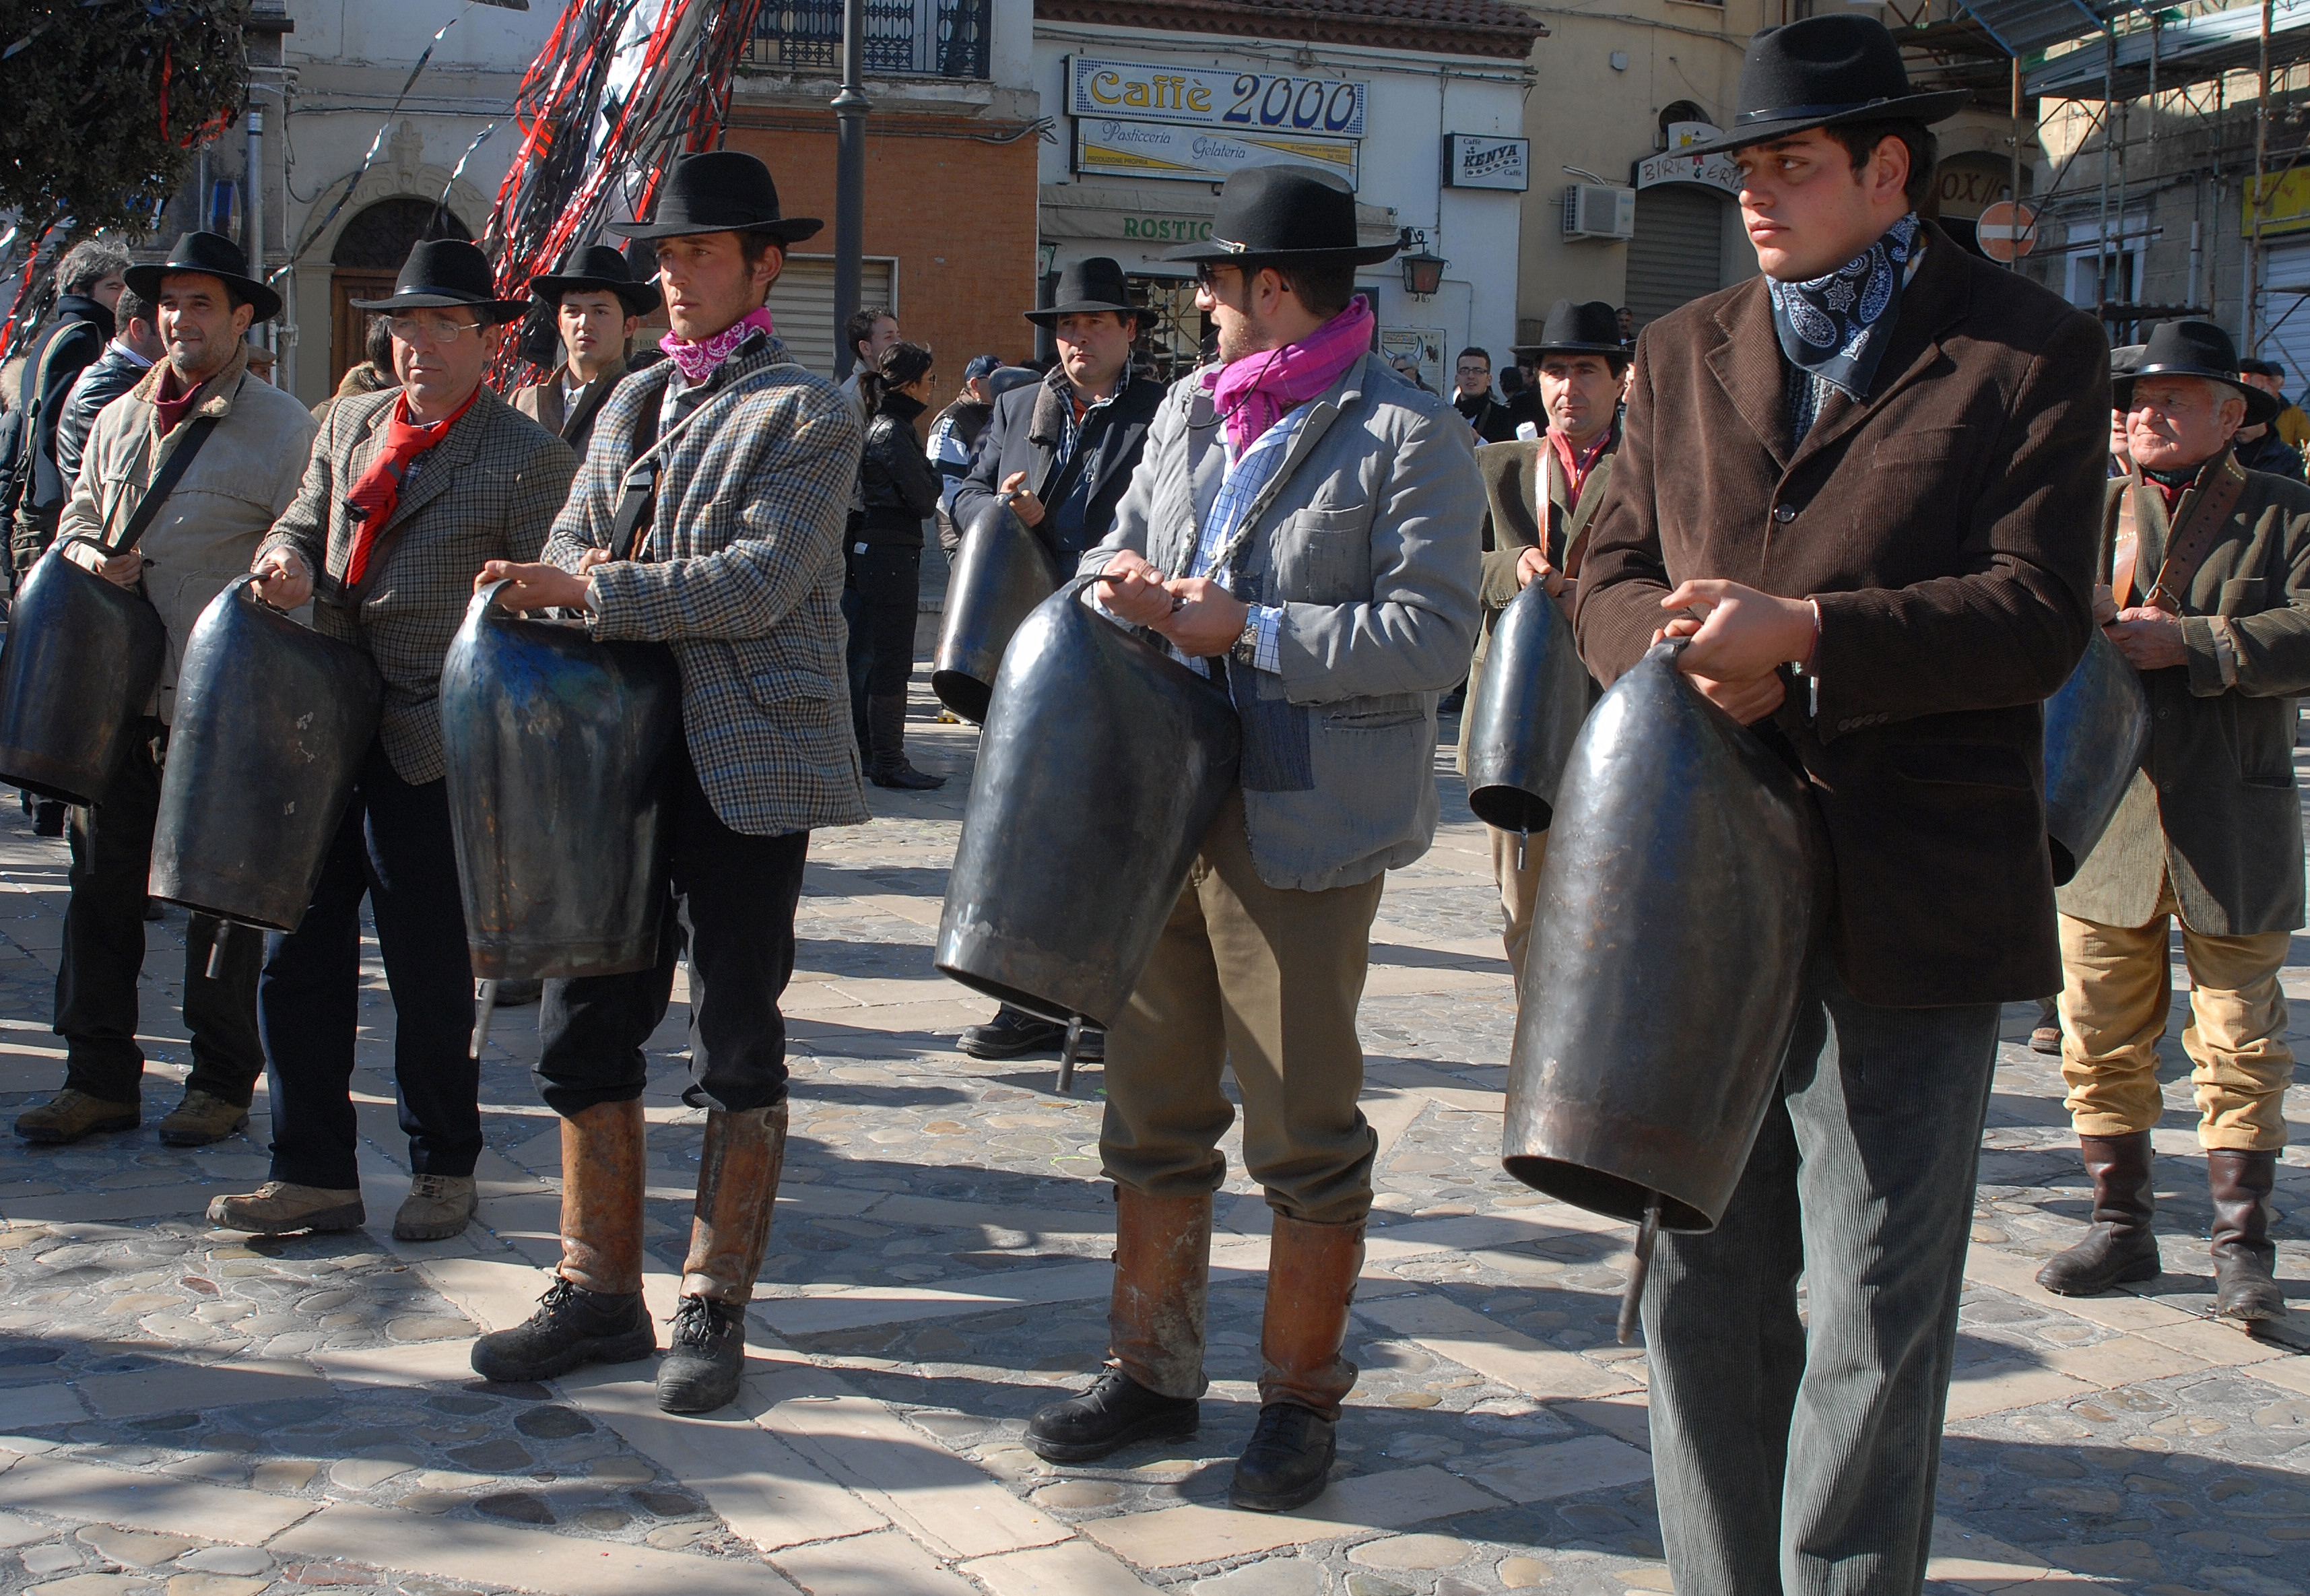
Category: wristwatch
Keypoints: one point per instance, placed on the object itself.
(1247, 647)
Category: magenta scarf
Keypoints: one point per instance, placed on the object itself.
(697, 361)
(1259, 390)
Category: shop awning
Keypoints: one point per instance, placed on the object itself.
(2026, 27)
(2189, 51)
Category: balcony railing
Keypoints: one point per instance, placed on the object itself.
(947, 38)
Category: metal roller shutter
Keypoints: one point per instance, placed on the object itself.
(801, 302)
(1679, 251)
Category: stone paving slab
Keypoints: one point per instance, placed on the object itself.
(938, 1269)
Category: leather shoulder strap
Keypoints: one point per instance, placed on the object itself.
(2196, 537)
(629, 524)
(156, 494)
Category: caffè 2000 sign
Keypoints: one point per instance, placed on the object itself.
(1249, 101)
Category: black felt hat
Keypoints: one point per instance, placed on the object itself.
(1823, 72)
(1088, 286)
(1287, 215)
(447, 274)
(719, 191)
(597, 269)
(2194, 349)
(1590, 327)
(209, 254)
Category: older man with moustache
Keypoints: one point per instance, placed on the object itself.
(709, 518)
(1902, 450)
(409, 492)
(2208, 571)
(236, 448)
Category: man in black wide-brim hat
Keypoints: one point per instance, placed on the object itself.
(709, 518)
(407, 492)
(1902, 456)
(2207, 598)
(598, 305)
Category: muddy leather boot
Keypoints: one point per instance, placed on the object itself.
(71, 1115)
(1155, 1331)
(2118, 1248)
(1303, 1379)
(2244, 1257)
(886, 727)
(737, 1183)
(593, 1313)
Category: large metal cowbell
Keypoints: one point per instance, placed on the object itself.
(1676, 909)
(82, 659)
(271, 725)
(2097, 730)
(1103, 763)
(1002, 572)
(556, 746)
(1526, 714)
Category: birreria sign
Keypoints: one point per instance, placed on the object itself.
(1244, 103)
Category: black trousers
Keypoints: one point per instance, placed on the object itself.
(394, 848)
(881, 594)
(732, 899)
(104, 953)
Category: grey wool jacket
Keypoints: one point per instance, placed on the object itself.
(1369, 537)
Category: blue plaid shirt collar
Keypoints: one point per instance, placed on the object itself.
(1071, 429)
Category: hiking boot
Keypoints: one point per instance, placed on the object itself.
(200, 1119)
(1288, 1461)
(572, 1327)
(2118, 1248)
(1013, 1033)
(1311, 1278)
(1111, 1414)
(437, 1207)
(277, 1207)
(705, 1356)
(72, 1114)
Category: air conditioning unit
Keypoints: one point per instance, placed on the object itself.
(1599, 211)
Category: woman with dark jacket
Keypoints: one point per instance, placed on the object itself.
(882, 575)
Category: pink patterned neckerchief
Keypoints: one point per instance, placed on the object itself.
(1259, 390)
(697, 361)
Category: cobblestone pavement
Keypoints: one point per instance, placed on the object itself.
(187, 1408)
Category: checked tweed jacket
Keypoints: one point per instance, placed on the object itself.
(741, 574)
(486, 491)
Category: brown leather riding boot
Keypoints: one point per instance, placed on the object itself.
(1303, 1377)
(737, 1185)
(1155, 1331)
(2117, 1247)
(592, 1312)
(2245, 1260)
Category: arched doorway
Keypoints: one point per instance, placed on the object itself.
(367, 258)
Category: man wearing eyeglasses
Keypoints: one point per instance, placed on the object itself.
(408, 493)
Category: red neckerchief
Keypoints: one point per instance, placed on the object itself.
(2173, 491)
(373, 497)
(1578, 463)
(170, 406)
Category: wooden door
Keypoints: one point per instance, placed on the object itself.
(347, 325)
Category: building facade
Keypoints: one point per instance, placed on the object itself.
(1150, 104)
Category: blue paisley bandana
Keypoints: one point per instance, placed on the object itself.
(1834, 328)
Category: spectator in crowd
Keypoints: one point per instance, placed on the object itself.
(1626, 323)
(883, 560)
(2292, 426)
(238, 446)
(598, 305)
(2205, 594)
(954, 438)
(1407, 367)
(135, 346)
(870, 330)
(261, 363)
(1062, 451)
(1520, 392)
(371, 374)
(2258, 444)
(407, 493)
(89, 279)
(1473, 397)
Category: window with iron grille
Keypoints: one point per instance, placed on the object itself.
(904, 38)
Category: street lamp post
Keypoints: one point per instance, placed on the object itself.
(850, 109)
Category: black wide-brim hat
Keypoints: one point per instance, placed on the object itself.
(2195, 348)
(1285, 215)
(719, 191)
(1087, 288)
(1590, 327)
(448, 274)
(1825, 72)
(597, 269)
(209, 254)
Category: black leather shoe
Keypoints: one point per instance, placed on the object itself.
(1112, 1414)
(705, 1356)
(48, 817)
(572, 1327)
(1014, 1033)
(1288, 1461)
